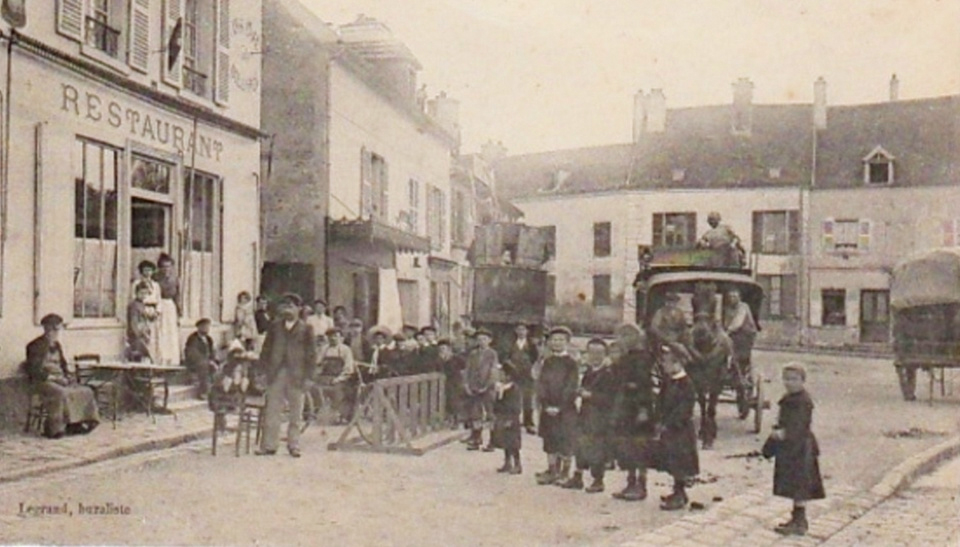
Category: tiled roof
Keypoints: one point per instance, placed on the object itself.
(698, 150)
(921, 135)
(698, 144)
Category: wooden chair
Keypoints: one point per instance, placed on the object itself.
(250, 417)
(36, 414)
(148, 383)
(105, 392)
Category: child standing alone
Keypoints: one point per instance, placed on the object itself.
(796, 473)
(678, 438)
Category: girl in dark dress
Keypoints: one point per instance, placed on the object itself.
(506, 426)
(796, 473)
(556, 385)
(678, 437)
(598, 388)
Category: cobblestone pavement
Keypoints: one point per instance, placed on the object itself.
(28, 454)
(927, 513)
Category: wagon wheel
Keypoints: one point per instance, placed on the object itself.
(758, 405)
(363, 413)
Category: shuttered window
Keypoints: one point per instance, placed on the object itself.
(780, 299)
(139, 46)
(374, 190)
(222, 59)
(844, 235)
(601, 290)
(776, 232)
(70, 14)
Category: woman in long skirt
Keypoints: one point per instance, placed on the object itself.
(168, 336)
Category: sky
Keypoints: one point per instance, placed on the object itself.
(553, 74)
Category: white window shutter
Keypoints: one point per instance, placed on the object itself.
(172, 16)
(138, 56)
(221, 93)
(829, 238)
(70, 18)
(864, 235)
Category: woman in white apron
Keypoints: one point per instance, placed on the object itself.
(168, 336)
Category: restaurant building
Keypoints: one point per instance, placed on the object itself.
(129, 129)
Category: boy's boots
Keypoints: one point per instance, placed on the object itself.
(796, 526)
(475, 440)
(675, 501)
(548, 476)
(631, 486)
(573, 483)
(507, 465)
(563, 472)
(636, 492)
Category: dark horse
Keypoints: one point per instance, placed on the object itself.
(710, 350)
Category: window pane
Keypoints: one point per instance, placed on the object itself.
(834, 306)
(150, 175)
(601, 238)
(95, 230)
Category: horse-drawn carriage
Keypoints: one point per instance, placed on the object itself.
(925, 300)
(700, 291)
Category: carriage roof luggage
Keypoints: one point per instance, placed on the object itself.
(926, 279)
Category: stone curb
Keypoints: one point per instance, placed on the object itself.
(145, 446)
(904, 474)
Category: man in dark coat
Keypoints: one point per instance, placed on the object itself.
(678, 437)
(597, 391)
(428, 352)
(522, 354)
(289, 359)
(633, 413)
(557, 384)
(200, 356)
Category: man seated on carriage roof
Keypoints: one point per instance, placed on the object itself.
(721, 239)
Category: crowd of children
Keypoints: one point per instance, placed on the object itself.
(596, 411)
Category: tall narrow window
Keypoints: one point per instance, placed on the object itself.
(601, 290)
(413, 206)
(95, 231)
(834, 303)
(674, 230)
(202, 255)
(102, 33)
(601, 238)
(193, 78)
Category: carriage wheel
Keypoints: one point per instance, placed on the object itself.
(758, 404)
(363, 414)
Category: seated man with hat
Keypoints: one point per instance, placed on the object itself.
(71, 407)
(200, 357)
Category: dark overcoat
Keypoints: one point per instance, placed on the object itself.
(557, 387)
(677, 449)
(293, 350)
(796, 473)
(522, 360)
(633, 408)
(594, 425)
(506, 425)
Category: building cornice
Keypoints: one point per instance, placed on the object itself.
(102, 75)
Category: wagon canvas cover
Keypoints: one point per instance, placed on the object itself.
(926, 279)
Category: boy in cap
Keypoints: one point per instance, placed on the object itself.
(506, 426)
(479, 387)
(633, 411)
(289, 358)
(429, 352)
(452, 366)
(200, 356)
(522, 354)
(557, 384)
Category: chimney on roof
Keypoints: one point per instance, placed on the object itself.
(492, 152)
(639, 115)
(894, 88)
(820, 103)
(446, 112)
(656, 111)
(742, 106)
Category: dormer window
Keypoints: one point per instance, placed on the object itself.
(774, 173)
(678, 175)
(878, 167)
(556, 180)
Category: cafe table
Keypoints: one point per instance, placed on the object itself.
(131, 377)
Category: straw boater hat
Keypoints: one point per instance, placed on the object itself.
(560, 329)
(484, 331)
(379, 329)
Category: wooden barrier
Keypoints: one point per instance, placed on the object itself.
(392, 414)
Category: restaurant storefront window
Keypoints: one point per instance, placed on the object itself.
(95, 270)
